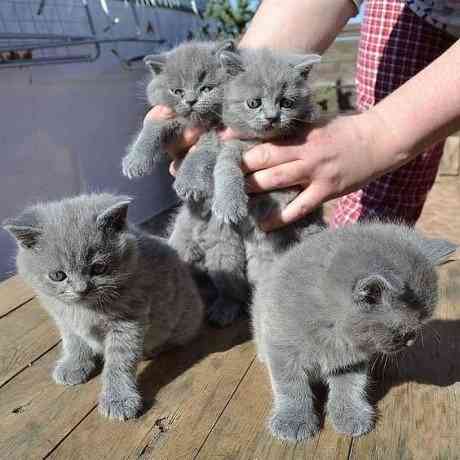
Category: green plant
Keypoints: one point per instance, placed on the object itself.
(225, 19)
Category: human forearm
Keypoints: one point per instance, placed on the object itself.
(304, 25)
(423, 111)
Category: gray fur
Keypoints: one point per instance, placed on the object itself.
(125, 295)
(216, 249)
(192, 70)
(244, 245)
(327, 307)
(272, 78)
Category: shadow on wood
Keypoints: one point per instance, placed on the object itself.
(162, 370)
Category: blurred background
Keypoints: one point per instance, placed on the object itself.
(72, 93)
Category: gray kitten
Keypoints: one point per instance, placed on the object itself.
(210, 246)
(328, 306)
(267, 98)
(114, 292)
(188, 79)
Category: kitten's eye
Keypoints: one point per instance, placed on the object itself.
(286, 103)
(206, 89)
(98, 269)
(254, 103)
(57, 276)
(177, 92)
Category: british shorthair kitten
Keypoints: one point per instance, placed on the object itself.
(187, 79)
(328, 306)
(115, 293)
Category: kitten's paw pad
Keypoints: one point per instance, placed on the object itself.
(120, 408)
(292, 428)
(136, 166)
(231, 211)
(223, 313)
(356, 423)
(73, 373)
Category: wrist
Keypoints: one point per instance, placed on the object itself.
(387, 148)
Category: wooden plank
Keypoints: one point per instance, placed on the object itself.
(420, 413)
(36, 413)
(188, 388)
(449, 165)
(13, 292)
(241, 433)
(25, 334)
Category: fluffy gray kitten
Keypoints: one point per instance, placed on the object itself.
(266, 98)
(187, 79)
(328, 306)
(210, 246)
(114, 292)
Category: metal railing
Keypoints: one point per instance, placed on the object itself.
(39, 32)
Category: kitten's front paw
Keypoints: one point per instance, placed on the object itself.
(223, 312)
(118, 406)
(353, 421)
(136, 165)
(190, 192)
(73, 372)
(295, 427)
(231, 210)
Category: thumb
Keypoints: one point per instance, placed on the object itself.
(307, 201)
(159, 112)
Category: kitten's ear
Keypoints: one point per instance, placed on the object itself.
(305, 64)
(369, 290)
(231, 62)
(24, 228)
(114, 219)
(156, 62)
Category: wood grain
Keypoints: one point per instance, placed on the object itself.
(25, 334)
(420, 412)
(36, 413)
(13, 293)
(241, 433)
(188, 390)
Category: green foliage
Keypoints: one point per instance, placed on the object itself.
(225, 19)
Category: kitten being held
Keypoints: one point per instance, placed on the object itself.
(111, 289)
(328, 306)
(188, 80)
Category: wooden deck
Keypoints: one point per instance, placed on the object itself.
(211, 400)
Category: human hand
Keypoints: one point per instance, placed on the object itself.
(178, 149)
(327, 162)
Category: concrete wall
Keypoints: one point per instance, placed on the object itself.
(64, 129)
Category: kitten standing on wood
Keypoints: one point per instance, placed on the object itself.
(115, 293)
(328, 306)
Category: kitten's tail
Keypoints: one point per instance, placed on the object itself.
(437, 250)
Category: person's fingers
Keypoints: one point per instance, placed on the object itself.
(174, 167)
(189, 138)
(159, 112)
(267, 155)
(281, 176)
(303, 204)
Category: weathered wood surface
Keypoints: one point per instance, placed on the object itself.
(211, 399)
(13, 293)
